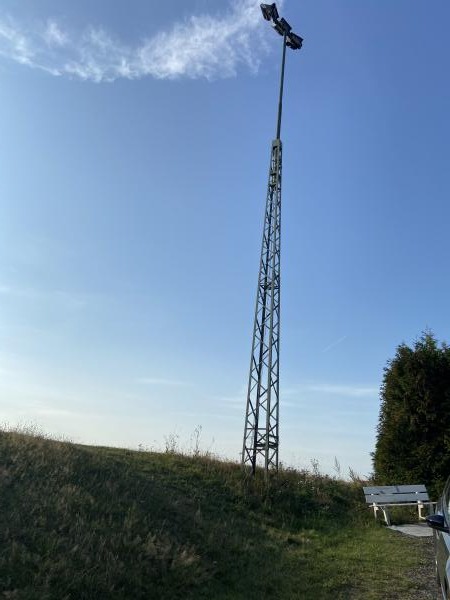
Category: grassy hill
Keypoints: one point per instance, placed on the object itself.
(81, 522)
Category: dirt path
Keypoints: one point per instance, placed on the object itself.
(423, 574)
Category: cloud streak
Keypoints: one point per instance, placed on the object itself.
(353, 391)
(160, 381)
(68, 300)
(202, 46)
(335, 343)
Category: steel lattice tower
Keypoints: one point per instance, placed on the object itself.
(261, 432)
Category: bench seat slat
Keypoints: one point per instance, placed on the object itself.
(424, 502)
(393, 489)
(389, 498)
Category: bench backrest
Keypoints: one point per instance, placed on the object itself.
(389, 494)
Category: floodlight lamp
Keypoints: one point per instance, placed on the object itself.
(278, 28)
(269, 11)
(294, 41)
(285, 26)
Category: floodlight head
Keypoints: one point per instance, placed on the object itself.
(285, 26)
(281, 26)
(278, 28)
(294, 41)
(269, 11)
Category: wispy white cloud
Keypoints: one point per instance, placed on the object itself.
(68, 300)
(160, 381)
(54, 35)
(292, 396)
(354, 391)
(235, 401)
(202, 46)
(14, 44)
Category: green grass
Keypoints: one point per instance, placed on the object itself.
(91, 523)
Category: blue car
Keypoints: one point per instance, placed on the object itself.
(440, 522)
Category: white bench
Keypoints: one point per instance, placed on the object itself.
(381, 498)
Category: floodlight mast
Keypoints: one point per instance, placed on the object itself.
(280, 100)
(261, 431)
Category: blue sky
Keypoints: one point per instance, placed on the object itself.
(136, 141)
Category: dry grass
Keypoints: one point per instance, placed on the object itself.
(91, 523)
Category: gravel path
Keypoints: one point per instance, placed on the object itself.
(423, 574)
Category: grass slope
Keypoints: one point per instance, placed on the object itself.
(91, 523)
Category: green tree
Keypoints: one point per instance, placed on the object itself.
(413, 433)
